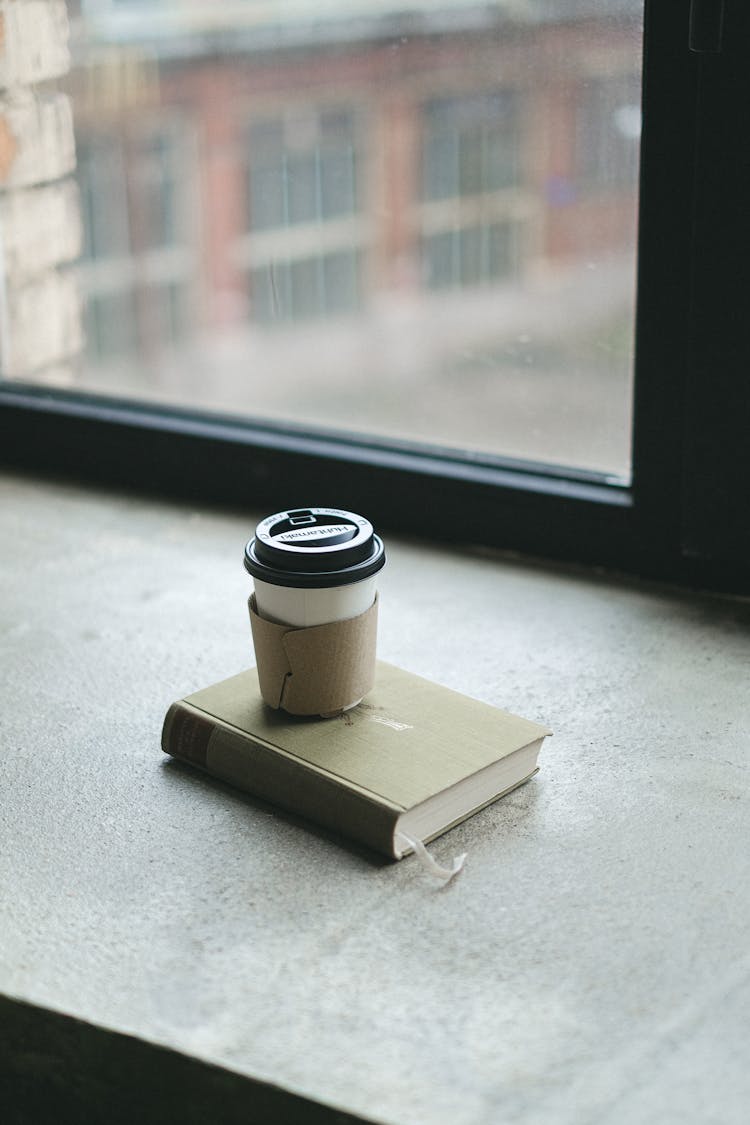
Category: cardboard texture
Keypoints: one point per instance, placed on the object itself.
(413, 754)
(319, 670)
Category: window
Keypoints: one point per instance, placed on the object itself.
(425, 220)
(471, 156)
(471, 255)
(136, 264)
(392, 225)
(305, 244)
(471, 145)
(608, 129)
(302, 168)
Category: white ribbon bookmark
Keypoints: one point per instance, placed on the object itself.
(428, 861)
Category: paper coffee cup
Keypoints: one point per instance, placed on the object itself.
(288, 605)
(314, 567)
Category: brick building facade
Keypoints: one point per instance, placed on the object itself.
(438, 178)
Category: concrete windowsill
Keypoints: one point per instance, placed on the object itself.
(590, 963)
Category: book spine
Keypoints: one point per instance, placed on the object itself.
(281, 779)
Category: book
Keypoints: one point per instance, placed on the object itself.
(410, 761)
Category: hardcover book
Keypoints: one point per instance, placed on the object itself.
(408, 763)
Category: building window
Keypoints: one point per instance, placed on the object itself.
(136, 266)
(305, 288)
(102, 178)
(157, 167)
(302, 168)
(468, 256)
(471, 145)
(470, 168)
(303, 180)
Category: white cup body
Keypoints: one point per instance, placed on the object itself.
(303, 607)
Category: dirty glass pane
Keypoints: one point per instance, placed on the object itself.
(320, 218)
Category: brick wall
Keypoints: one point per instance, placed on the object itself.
(40, 225)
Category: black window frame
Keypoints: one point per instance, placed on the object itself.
(683, 518)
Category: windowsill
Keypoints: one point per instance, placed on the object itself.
(596, 937)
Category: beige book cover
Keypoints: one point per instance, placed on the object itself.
(410, 761)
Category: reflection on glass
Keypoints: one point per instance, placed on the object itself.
(429, 236)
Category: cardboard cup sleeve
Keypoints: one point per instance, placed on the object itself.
(319, 670)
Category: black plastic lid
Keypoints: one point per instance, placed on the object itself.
(314, 548)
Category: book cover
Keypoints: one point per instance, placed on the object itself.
(410, 761)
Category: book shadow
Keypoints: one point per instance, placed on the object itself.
(187, 773)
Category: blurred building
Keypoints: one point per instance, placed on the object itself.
(234, 167)
(374, 194)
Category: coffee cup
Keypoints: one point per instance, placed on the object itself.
(315, 575)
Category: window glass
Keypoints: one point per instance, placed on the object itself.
(470, 144)
(607, 123)
(102, 179)
(322, 218)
